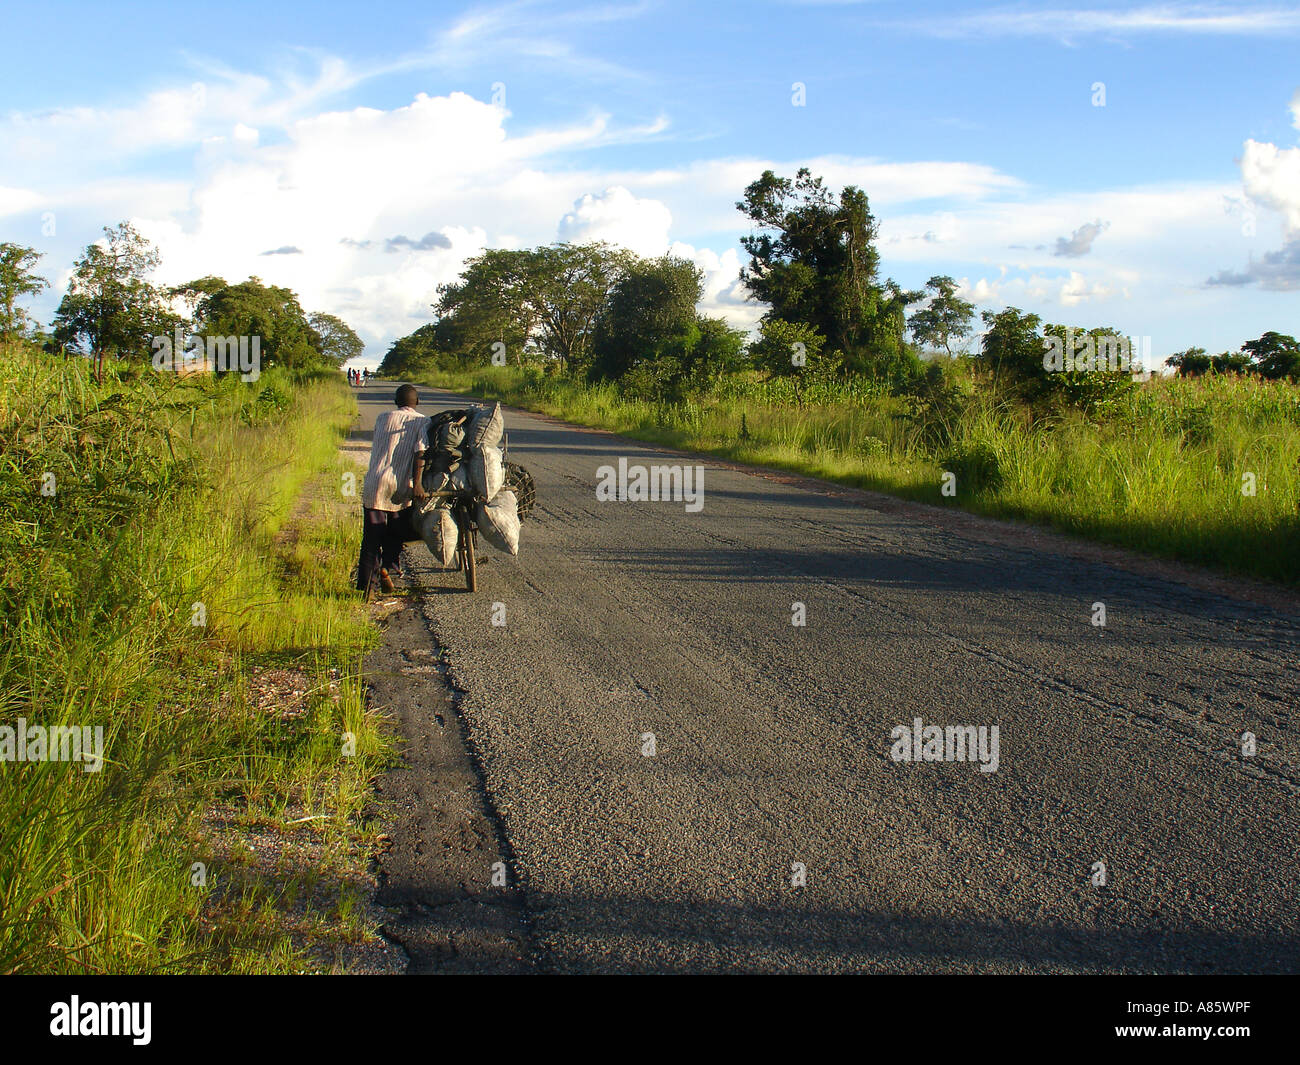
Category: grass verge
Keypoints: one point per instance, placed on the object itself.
(175, 557)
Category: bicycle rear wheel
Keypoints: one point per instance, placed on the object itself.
(469, 562)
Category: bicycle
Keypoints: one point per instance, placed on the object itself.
(463, 504)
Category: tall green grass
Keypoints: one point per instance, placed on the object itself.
(171, 499)
(1163, 472)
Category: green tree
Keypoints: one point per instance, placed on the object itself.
(337, 342)
(1231, 362)
(945, 318)
(1190, 363)
(418, 350)
(540, 303)
(1064, 366)
(649, 318)
(890, 359)
(720, 350)
(17, 281)
(252, 309)
(1012, 350)
(490, 305)
(111, 308)
(785, 348)
(578, 308)
(1194, 362)
(193, 293)
(1275, 355)
(814, 262)
(1103, 372)
(566, 286)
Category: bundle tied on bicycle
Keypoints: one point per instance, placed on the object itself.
(471, 487)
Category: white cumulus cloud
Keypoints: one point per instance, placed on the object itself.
(618, 217)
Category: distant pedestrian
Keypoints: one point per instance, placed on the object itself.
(391, 487)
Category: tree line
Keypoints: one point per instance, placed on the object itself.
(113, 310)
(599, 312)
(602, 313)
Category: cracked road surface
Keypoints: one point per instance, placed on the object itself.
(1120, 746)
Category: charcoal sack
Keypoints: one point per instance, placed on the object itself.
(485, 427)
(487, 472)
(498, 521)
(437, 528)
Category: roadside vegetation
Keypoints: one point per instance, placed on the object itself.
(174, 560)
(854, 379)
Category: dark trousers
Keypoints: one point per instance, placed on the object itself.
(383, 532)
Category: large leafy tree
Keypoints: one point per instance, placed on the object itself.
(336, 340)
(111, 308)
(790, 348)
(814, 260)
(720, 350)
(1275, 355)
(540, 303)
(490, 305)
(252, 309)
(566, 287)
(193, 293)
(945, 319)
(1092, 387)
(648, 318)
(16, 281)
(580, 308)
(1012, 349)
(1194, 362)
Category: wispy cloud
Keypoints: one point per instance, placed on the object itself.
(502, 35)
(1067, 23)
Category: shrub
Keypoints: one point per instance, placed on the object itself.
(976, 464)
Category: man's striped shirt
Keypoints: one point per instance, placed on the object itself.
(400, 435)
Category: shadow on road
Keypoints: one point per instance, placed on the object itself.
(618, 934)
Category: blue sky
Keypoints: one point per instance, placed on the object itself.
(295, 142)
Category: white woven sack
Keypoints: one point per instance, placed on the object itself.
(487, 472)
(498, 521)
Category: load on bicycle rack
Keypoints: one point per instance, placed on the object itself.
(471, 488)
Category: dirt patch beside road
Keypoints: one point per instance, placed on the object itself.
(445, 871)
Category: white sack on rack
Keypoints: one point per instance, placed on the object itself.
(485, 427)
(487, 472)
(498, 521)
(437, 528)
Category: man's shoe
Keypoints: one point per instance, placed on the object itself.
(386, 584)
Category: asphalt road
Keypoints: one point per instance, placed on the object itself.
(1118, 745)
